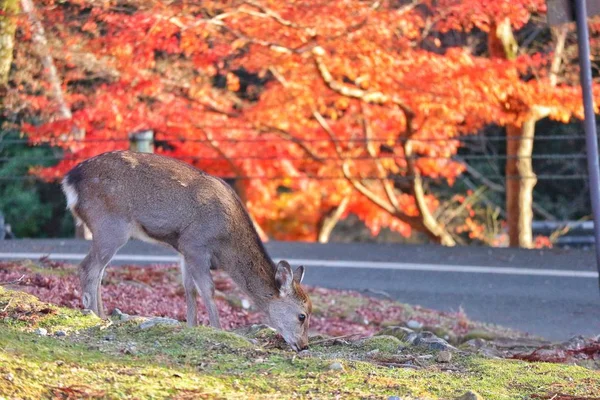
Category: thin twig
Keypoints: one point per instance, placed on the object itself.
(391, 364)
(7, 304)
(12, 282)
(334, 338)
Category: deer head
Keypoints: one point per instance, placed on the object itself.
(289, 309)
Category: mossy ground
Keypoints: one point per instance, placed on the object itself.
(100, 359)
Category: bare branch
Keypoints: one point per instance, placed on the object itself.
(432, 228)
(288, 136)
(367, 192)
(42, 48)
(359, 186)
(331, 220)
(354, 92)
(389, 190)
(266, 12)
(327, 129)
(561, 38)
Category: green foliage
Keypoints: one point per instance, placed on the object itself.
(32, 207)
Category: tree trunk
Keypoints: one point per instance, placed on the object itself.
(8, 26)
(520, 178)
(520, 181)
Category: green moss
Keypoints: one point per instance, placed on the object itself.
(26, 311)
(124, 361)
(477, 334)
(383, 343)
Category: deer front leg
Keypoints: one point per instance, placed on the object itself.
(108, 238)
(91, 270)
(191, 294)
(198, 267)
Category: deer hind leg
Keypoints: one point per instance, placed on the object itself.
(198, 267)
(106, 242)
(191, 294)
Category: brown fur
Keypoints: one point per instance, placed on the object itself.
(123, 194)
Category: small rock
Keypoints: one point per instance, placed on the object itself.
(401, 332)
(444, 356)
(336, 366)
(373, 352)
(59, 362)
(256, 331)
(432, 342)
(158, 321)
(119, 315)
(245, 304)
(412, 324)
(41, 332)
(110, 337)
(303, 354)
(131, 349)
(86, 311)
(394, 398)
(470, 395)
(60, 333)
(9, 377)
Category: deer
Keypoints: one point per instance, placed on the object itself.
(119, 195)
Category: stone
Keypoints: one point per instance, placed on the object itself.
(336, 366)
(257, 331)
(110, 337)
(394, 398)
(372, 352)
(400, 332)
(9, 377)
(444, 356)
(412, 324)
(60, 333)
(470, 395)
(131, 349)
(119, 315)
(246, 304)
(86, 311)
(158, 321)
(41, 332)
(303, 354)
(432, 342)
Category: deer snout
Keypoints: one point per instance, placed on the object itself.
(302, 345)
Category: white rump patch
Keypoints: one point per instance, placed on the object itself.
(70, 193)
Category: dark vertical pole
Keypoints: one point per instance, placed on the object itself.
(591, 138)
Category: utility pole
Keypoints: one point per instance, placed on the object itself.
(560, 12)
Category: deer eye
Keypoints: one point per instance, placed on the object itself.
(301, 317)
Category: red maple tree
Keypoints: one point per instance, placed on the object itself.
(319, 109)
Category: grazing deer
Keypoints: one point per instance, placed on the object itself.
(122, 194)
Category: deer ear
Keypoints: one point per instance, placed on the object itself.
(299, 274)
(283, 278)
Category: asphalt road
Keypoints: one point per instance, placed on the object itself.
(551, 293)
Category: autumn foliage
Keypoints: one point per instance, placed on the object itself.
(318, 108)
